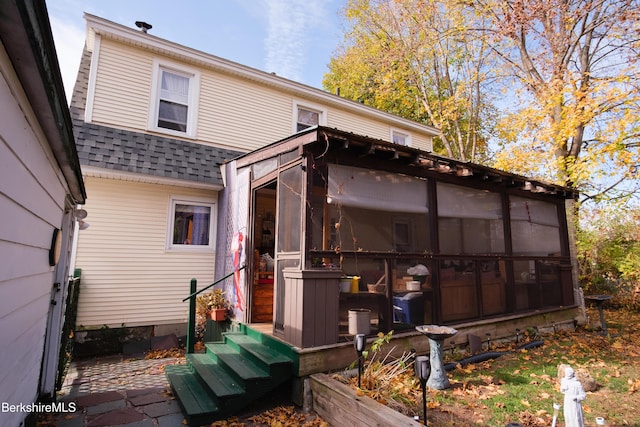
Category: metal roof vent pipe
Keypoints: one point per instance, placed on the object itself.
(143, 26)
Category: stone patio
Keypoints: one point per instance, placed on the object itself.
(116, 391)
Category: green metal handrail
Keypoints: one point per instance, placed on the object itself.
(191, 322)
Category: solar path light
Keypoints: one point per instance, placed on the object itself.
(358, 343)
(422, 369)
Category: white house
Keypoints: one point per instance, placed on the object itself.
(153, 122)
(183, 152)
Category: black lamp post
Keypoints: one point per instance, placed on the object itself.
(358, 343)
(422, 369)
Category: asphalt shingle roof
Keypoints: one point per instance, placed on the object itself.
(137, 152)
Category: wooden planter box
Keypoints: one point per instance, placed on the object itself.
(338, 404)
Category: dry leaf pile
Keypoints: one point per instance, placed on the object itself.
(163, 354)
(281, 416)
(523, 385)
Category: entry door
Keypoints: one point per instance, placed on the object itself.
(55, 319)
(290, 211)
(264, 234)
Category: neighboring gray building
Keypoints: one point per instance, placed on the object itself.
(40, 188)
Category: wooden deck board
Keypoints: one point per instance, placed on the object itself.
(192, 395)
(263, 353)
(242, 365)
(217, 378)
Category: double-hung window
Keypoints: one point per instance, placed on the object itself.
(400, 138)
(191, 224)
(307, 116)
(174, 103)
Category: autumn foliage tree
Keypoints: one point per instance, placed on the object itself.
(410, 58)
(609, 252)
(574, 68)
(563, 73)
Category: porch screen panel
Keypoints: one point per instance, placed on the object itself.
(469, 220)
(535, 227)
(374, 210)
(376, 190)
(359, 229)
(290, 210)
(288, 229)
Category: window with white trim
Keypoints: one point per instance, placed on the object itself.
(191, 224)
(401, 138)
(307, 116)
(174, 103)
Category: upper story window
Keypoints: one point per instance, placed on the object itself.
(307, 116)
(174, 104)
(401, 138)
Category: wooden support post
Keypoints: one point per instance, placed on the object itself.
(191, 322)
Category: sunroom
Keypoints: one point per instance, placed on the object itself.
(335, 222)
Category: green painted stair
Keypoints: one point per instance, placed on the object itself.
(232, 374)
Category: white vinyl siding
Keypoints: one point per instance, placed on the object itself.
(32, 197)
(123, 86)
(240, 114)
(128, 276)
(233, 112)
(352, 122)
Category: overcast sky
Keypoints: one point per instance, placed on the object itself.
(293, 38)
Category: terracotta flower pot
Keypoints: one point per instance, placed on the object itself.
(218, 314)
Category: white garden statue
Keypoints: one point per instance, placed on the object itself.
(574, 394)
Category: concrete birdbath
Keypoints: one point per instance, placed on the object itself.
(599, 300)
(437, 334)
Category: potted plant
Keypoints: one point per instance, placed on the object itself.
(215, 304)
(219, 305)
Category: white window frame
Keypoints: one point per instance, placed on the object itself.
(322, 113)
(192, 201)
(192, 102)
(406, 135)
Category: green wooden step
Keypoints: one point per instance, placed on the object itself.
(221, 383)
(261, 352)
(245, 368)
(273, 343)
(197, 404)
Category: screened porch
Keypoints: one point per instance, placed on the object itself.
(487, 244)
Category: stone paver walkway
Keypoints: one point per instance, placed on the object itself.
(113, 391)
